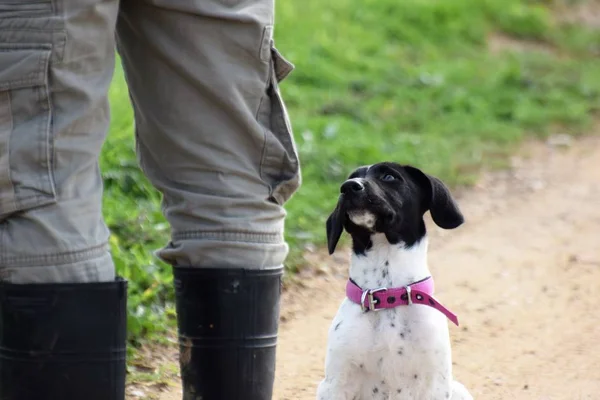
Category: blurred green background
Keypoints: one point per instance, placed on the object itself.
(449, 85)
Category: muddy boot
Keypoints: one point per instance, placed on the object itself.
(228, 321)
(63, 341)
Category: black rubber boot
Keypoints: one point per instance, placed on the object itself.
(63, 341)
(228, 321)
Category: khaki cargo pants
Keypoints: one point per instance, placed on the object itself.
(211, 128)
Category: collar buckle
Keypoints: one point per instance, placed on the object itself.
(371, 301)
(408, 294)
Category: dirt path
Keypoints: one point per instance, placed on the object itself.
(523, 275)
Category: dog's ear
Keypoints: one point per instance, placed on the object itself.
(335, 227)
(438, 200)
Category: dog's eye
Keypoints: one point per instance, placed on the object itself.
(388, 178)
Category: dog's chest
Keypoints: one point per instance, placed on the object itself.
(411, 352)
(400, 353)
(403, 352)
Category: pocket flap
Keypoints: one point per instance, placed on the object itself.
(23, 67)
(282, 66)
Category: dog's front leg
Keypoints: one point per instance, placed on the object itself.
(341, 381)
(332, 389)
(347, 350)
(459, 392)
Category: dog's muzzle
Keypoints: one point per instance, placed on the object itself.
(352, 186)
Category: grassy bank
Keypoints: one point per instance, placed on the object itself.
(414, 81)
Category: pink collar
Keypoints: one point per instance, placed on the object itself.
(416, 293)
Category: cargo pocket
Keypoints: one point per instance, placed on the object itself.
(26, 178)
(25, 8)
(280, 166)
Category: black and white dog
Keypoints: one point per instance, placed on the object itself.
(390, 339)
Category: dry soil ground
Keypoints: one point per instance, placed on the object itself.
(523, 274)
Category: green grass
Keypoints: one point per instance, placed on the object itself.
(409, 81)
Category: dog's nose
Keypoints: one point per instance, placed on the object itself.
(352, 185)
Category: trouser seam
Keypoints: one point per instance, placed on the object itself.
(230, 236)
(55, 259)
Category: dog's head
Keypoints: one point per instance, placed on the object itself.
(390, 198)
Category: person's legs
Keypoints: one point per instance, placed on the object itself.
(62, 312)
(214, 137)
